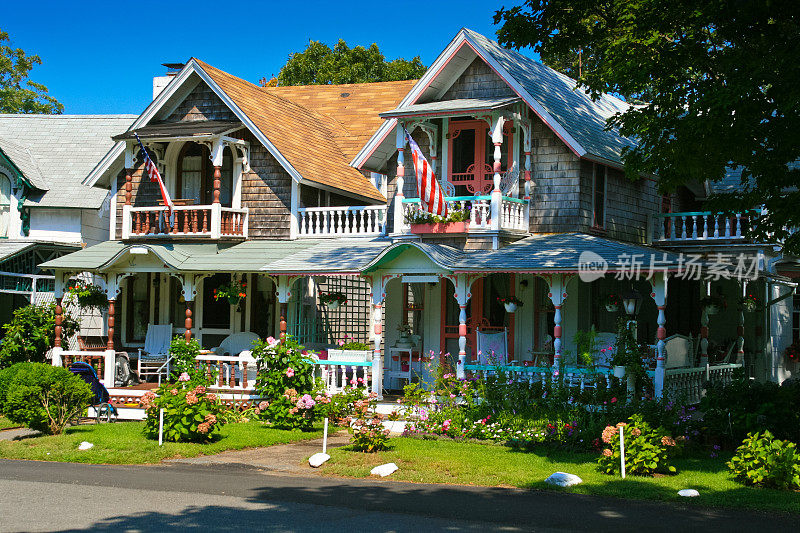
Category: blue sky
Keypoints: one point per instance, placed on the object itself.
(100, 57)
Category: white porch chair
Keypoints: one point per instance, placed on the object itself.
(154, 358)
(678, 350)
(492, 347)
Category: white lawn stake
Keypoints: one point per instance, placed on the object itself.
(622, 452)
(318, 459)
(160, 427)
(325, 437)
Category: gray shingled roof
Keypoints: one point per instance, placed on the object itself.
(583, 118)
(55, 153)
(451, 106)
(541, 253)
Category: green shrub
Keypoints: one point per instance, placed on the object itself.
(741, 407)
(191, 413)
(31, 333)
(44, 397)
(286, 382)
(184, 360)
(368, 433)
(6, 376)
(647, 450)
(764, 460)
(339, 408)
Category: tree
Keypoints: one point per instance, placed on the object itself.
(722, 85)
(318, 64)
(18, 94)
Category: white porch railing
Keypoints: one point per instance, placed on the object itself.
(514, 214)
(205, 221)
(689, 384)
(353, 221)
(338, 375)
(700, 225)
(104, 362)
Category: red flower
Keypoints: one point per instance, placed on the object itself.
(614, 399)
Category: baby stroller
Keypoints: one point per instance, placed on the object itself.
(100, 401)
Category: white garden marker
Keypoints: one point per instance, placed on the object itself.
(622, 452)
(160, 427)
(318, 459)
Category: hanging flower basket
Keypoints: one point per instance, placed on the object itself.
(511, 303)
(233, 292)
(612, 302)
(712, 304)
(89, 295)
(749, 303)
(333, 299)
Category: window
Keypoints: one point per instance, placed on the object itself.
(5, 205)
(599, 196)
(196, 175)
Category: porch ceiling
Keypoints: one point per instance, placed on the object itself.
(197, 128)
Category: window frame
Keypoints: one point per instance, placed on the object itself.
(602, 223)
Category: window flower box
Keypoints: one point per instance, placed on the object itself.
(440, 227)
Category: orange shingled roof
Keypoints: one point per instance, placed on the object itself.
(315, 127)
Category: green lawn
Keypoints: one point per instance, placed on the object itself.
(124, 443)
(5, 423)
(447, 461)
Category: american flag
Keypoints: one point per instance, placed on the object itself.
(155, 177)
(430, 192)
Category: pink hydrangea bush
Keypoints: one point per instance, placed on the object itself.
(191, 413)
(648, 450)
(368, 433)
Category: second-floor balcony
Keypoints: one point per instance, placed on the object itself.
(473, 214)
(210, 222)
(701, 227)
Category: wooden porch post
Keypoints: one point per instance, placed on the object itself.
(704, 330)
(497, 194)
(740, 329)
(188, 322)
(59, 321)
(111, 323)
(283, 293)
(659, 295)
(217, 182)
(557, 295)
(398, 192)
(462, 294)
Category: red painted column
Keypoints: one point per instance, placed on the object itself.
(217, 182)
(59, 321)
(128, 186)
(283, 323)
(188, 322)
(111, 323)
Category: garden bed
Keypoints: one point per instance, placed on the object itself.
(125, 443)
(447, 461)
(5, 423)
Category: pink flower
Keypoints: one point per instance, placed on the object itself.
(272, 342)
(263, 405)
(184, 377)
(191, 398)
(211, 419)
(211, 397)
(614, 399)
(174, 392)
(353, 381)
(423, 414)
(452, 395)
(341, 343)
(446, 425)
(290, 372)
(204, 427)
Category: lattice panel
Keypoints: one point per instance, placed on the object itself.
(353, 318)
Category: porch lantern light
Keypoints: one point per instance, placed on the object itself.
(632, 302)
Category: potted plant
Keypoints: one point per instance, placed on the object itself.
(612, 302)
(712, 304)
(626, 358)
(404, 340)
(333, 299)
(510, 303)
(234, 292)
(749, 303)
(456, 221)
(89, 295)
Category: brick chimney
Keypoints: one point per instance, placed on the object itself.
(159, 82)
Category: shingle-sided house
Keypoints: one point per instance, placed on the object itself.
(45, 210)
(300, 191)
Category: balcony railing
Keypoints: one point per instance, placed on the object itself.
(701, 226)
(353, 221)
(512, 213)
(190, 221)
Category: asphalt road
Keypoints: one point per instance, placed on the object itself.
(42, 496)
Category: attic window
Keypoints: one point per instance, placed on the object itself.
(344, 95)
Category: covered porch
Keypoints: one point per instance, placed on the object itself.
(414, 303)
